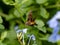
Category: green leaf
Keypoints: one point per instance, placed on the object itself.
(10, 17)
(13, 42)
(38, 41)
(44, 13)
(9, 2)
(3, 35)
(11, 33)
(1, 20)
(16, 13)
(18, 1)
(11, 38)
(1, 26)
(39, 23)
(45, 37)
(28, 3)
(41, 1)
(2, 43)
(43, 29)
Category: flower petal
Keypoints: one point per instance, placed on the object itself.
(52, 38)
(25, 30)
(18, 31)
(52, 23)
(55, 30)
(57, 16)
(33, 37)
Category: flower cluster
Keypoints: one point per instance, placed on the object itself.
(23, 31)
(18, 30)
(55, 24)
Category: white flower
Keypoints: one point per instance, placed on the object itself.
(25, 30)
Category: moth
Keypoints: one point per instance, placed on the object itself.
(30, 20)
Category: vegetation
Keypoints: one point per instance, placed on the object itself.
(16, 13)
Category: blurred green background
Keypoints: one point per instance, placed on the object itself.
(15, 12)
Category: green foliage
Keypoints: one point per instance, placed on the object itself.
(41, 1)
(15, 12)
(43, 12)
(3, 35)
(8, 2)
(1, 20)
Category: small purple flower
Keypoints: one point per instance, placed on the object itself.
(54, 23)
(33, 37)
(53, 38)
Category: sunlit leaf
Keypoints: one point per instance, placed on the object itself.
(1, 20)
(41, 1)
(18, 1)
(9, 2)
(16, 13)
(43, 29)
(3, 35)
(10, 17)
(44, 13)
(40, 23)
(2, 43)
(1, 26)
(28, 3)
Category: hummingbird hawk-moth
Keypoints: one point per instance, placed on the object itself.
(30, 20)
